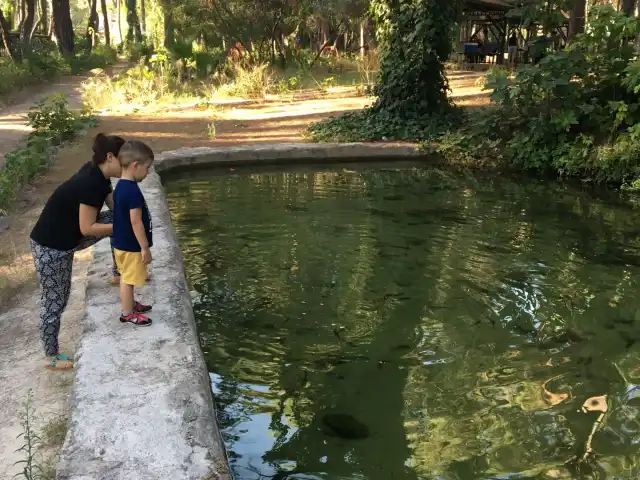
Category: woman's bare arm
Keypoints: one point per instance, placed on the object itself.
(109, 201)
(88, 225)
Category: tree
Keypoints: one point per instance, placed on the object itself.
(44, 18)
(63, 26)
(5, 29)
(92, 27)
(576, 19)
(134, 34)
(628, 7)
(26, 27)
(168, 27)
(105, 20)
(415, 37)
(143, 17)
(120, 37)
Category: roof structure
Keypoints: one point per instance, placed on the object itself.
(489, 5)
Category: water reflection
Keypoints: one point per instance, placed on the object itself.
(415, 325)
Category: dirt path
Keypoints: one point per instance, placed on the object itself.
(241, 122)
(13, 119)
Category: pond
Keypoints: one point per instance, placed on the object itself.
(413, 324)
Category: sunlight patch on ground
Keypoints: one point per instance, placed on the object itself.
(312, 107)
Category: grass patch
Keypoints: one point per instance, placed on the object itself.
(53, 123)
(33, 466)
(159, 81)
(54, 432)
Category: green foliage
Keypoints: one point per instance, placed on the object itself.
(576, 113)
(370, 126)
(52, 123)
(248, 82)
(30, 469)
(414, 37)
(411, 93)
(52, 120)
(45, 63)
(137, 51)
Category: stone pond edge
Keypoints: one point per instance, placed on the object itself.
(284, 154)
(142, 405)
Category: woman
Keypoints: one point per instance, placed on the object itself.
(70, 221)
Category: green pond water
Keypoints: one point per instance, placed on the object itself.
(411, 324)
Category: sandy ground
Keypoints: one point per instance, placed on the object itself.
(234, 122)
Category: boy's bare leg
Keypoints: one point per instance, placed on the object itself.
(126, 298)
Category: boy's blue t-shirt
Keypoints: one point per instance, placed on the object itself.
(126, 197)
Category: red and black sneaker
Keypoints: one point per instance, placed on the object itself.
(137, 319)
(140, 308)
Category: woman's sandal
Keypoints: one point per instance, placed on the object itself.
(60, 362)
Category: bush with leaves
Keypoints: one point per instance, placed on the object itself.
(411, 93)
(44, 62)
(52, 123)
(575, 114)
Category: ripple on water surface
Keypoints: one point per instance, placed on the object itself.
(415, 325)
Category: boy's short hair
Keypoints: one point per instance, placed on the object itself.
(135, 151)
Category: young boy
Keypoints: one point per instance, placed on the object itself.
(132, 237)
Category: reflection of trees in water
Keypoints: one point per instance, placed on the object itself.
(513, 290)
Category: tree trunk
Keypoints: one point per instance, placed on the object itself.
(143, 17)
(628, 7)
(92, 26)
(282, 51)
(26, 29)
(22, 12)
(5, 28)
(576, 18)
(168, 28)
(362, 25)
(105, 20)
(120, 21)
(134, 34)
(44, 7)
(62, 26)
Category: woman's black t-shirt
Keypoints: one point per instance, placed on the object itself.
(59, 224)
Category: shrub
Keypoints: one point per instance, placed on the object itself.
(248, 82)
(575, 113)
(141, 85)
(52, 123)
(12, 76)
(44, 62)
(52, 120)
(368, 66)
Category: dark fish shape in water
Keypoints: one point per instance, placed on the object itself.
(296, 208)
(568, 336)
(393, 198)
(380, 213)
(344, 426)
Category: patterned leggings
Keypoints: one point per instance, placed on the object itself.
(54, 273)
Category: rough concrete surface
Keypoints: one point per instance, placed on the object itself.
(23, 370)
(284, 153)
(142, 407)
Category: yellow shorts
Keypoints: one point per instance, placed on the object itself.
(132, 270)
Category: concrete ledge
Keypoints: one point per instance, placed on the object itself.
(142, 406)
(292, 153)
